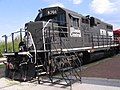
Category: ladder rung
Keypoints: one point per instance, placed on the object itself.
(59, 56)
(39, 70)
(42, 73)
(65, 69)
(38, 66)
(52, 43)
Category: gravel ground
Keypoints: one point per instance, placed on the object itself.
(108, 68)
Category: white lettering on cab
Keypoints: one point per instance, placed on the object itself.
(52, 12)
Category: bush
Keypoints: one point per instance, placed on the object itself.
(9, 46)
(2, 47)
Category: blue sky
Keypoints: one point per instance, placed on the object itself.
(15, 13)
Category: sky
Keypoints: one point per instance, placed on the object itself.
(15, 13)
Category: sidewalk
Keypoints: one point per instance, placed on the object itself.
(6, 84)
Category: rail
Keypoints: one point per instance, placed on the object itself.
(35, 50)
(10, 38)
(33, 47)
(43, 32)
(103, 41)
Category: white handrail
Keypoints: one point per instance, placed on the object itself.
(31, 38)
(44, 34)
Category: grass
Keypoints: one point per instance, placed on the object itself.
(9, 46)
(2, 66)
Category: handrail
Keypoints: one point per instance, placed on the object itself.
(35, 50)
(31, 38)
(43, 32)
(12, 35)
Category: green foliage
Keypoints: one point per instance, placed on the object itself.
(9, 46)
(2, 66)
(2, 47)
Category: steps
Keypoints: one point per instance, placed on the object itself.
(38, 66)
(63, 62)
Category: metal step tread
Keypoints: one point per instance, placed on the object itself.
(39, 70)
(65, 69)
(42, 73)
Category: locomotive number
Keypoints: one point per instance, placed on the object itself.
(52, 12)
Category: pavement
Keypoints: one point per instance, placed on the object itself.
(87, 84)
(101, 81)
(94, 79)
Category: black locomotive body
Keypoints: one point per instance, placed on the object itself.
(57, 34)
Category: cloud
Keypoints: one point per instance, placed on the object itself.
(103, 6)
(72, 1)
(77, 1)
(56, 4)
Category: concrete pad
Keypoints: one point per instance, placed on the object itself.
(101, 81)
(76, 86)
(6, 84)
(84, 86)
(30, 86)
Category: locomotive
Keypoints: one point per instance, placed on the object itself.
(57, 39)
